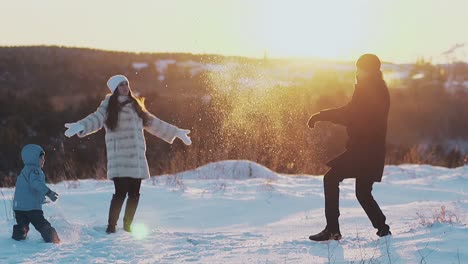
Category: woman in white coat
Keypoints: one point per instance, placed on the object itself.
(124, 117)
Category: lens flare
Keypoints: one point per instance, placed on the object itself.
(139, 231)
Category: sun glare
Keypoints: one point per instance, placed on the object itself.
(312, 28)
(139, 231)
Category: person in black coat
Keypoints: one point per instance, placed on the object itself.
(365, 118)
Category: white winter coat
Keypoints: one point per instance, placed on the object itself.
(126, 145)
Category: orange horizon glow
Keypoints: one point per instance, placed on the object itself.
(396, 30)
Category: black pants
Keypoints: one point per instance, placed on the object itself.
(331, 183)
(124, 186)
(36, 218)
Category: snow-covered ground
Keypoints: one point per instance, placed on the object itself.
(240, 212)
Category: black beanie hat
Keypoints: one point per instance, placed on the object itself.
(368, 62)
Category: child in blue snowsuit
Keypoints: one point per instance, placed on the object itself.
(30, 194)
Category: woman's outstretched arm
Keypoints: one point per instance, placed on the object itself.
(161, 129)
(94, 121)
(166, 131)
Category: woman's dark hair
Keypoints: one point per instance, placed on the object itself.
(114, 107)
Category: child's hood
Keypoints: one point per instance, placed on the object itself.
(30, 154)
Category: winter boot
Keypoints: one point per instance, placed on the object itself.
(19, 232)
(326, 235)
(130, 209)
(110, 229)
(384, 231)
(114, 212)
(49, 234)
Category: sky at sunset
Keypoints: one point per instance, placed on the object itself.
(396, 30)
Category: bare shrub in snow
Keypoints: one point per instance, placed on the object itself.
(176, 182)
(442, 216)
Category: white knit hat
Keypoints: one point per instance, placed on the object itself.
(114, 81)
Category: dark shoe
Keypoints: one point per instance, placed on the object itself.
(130, 209)
(19, 232)
(114, 210)
(384, 231)
(326, 235)
(50, 235)
(110, 229)
(55, 239)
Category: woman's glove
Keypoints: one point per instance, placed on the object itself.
(183, 135)
(73, 129)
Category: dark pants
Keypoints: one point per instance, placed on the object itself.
(36, 218)
(124, 186)
(331, 183)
